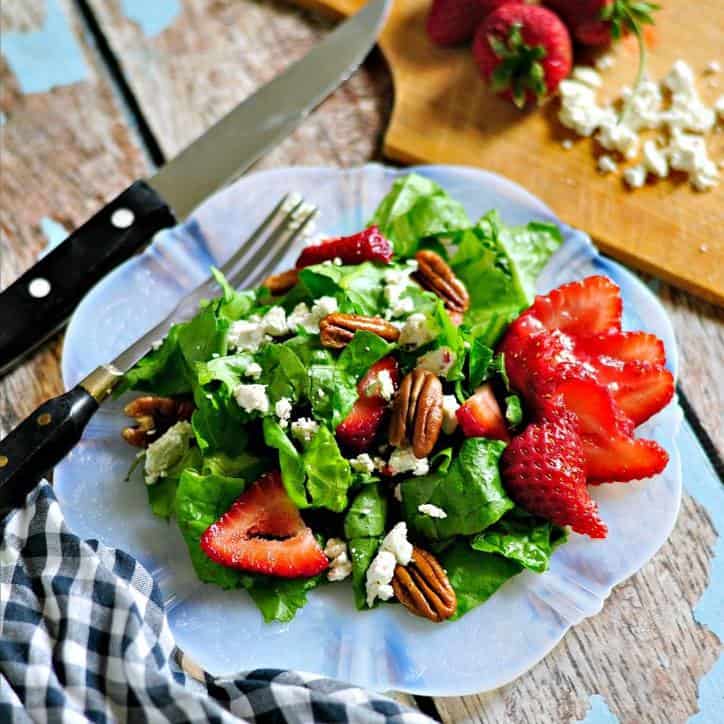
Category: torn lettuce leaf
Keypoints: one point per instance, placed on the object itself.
(475, 576)
(367, 516)
(361, 553)
(523, 538)
(470, 492)
(414, 209)
(317, 477)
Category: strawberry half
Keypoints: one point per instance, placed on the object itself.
(481, 416)
(359, 428)
(611, 452)
(367, 245)
(543, 469)
(263, 532)
(451, 22)
(523, 52)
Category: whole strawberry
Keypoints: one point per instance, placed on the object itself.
(598, 22)
(544, 471)
(523, 52)
(451, 22)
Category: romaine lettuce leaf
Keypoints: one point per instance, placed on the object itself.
(357, 288)
(470, 492)
(367, 516)
(362, 352)
(200, 501)
(475, 576)
(361, 553)
(318, 477)
(279, 599)
(521, 537)
(416, 208)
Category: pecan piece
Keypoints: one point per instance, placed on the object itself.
(434, 274)
(417, 412)
(279, 284)
(337, 330)
(154, 415)
(423, 588)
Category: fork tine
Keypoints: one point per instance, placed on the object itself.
(271, 253)
(257, 238)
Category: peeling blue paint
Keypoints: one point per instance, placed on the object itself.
(54, 234)
(47, 57)
(153, 17)
(702, 483)
(599, 713)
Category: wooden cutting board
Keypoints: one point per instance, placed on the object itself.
(443, 113)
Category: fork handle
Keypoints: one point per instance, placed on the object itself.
(41, 300)
(45, 437)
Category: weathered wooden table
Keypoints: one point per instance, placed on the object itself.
(96, 92)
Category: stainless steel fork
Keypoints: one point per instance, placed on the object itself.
(51, 432)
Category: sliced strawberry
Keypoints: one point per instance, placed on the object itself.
(625, 346)
(263, 532)
(640, 389)
(359, 428)
(367, 245)
(612, 454)
(543, 469)
(481, 416)
(590, 306)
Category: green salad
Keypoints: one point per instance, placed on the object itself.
(266, 396)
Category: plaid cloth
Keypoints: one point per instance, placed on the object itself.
(84, 637)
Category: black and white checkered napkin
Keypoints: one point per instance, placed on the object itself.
(83, 636)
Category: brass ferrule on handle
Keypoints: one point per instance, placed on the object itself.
(100, 383)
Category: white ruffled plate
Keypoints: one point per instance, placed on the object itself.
(386, 648)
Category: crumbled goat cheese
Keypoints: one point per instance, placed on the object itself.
(309, 319)
(438, 361)
(712, 67)
(156, 344)
(606, 164)
(363, 463)
(397, 282)
(605, 62)
(253, 370)
(304, 429)
(381, 385)
(432, 511)
(396, 542)
(635, 176)
(567, 144)
(167, 451)
(655, 159)
(403, 460)
(252, 398)
(397, 492)
(378, 578)
(274, 322)
(283, 410)
(246, 335)
(688, 153)
(587, 76)
(450, 407)
(340, 565)
(416, 331)
(645, 108)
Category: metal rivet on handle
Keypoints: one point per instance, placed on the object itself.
(44, 419)
(4, 460)
(39, 288)
(122, 218)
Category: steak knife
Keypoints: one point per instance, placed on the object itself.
(39, 303)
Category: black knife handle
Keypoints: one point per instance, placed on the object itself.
(41, 441)
(42, 299)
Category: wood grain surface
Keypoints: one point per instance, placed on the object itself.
(67, 149)
(444, 114)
